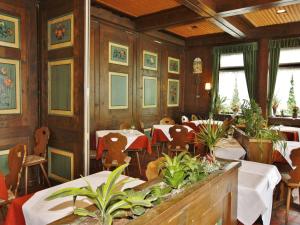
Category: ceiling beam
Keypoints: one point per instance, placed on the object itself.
(233, 8)
(167, 18)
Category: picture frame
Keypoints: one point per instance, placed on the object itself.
(118, 54)
(10, 86)
(150, 60)
(149, 92)
(173, 65)
(61, 32)
(173, 93)
(60, 165)
(118, 90)
(10, 31)
(61, 87)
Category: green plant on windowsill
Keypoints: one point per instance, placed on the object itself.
(275, 104)
(219, 104)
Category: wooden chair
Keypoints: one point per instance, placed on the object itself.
(179, 141)
(292, 179)
(115, 144)
(167, 121)
(125, 126)
(153, 168)
(16, 159)
(184, 119)
(39, 157)
(194, 117)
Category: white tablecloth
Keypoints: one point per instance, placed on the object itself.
(291, 145)
(229, 148)
(198, 122)
(287, 129)
(165, 129)
(37, 211)
(256, 182)
(131, 135)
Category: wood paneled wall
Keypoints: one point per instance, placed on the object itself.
(66, 132)
(19, 128)
(101, 116)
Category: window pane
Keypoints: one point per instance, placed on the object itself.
(289, 55)
(283, 85)
(228, 80)
(231, 60)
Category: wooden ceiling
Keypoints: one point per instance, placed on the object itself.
(268, 17)
(138, 8)
(190, 18)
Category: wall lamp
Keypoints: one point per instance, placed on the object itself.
(197, 71)
(207, 87)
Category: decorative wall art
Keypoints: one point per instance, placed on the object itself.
(173, 65)
(60, 87)
(10, 98)
(149, 92)
(173, 93)
(149, 60)
(118, 90)
(118, 54)
(60, 32)
(9, 31)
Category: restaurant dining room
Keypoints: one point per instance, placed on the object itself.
(149, 112)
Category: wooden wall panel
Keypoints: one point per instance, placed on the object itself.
(19, 128)
(66, 132)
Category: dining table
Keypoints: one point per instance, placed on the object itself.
(256, 183)
(230, 149)
(136, 140)
(292, 133)
(38, 211)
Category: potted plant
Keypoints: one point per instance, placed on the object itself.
(295, 111)
(275, 104)
(219, 104)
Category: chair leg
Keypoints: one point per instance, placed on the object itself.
(139, 163)
(45, 174)
(26, 180)
(288, 202)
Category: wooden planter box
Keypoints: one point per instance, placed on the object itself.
(209, 202)
(257, 150)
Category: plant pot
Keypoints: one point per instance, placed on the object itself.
(295, 114)
(274, 110)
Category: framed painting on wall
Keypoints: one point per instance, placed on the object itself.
(173, 93)
(60, 87)
(149, 92)
(60, 32)
(173, 65)
(149, 60)
(9, 31)
(118, 90)
(10, 95)
(118, 54)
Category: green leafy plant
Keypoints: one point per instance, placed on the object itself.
(160, 192)
(194, 169)
(109, 198)
(219, 104)
(209, 134)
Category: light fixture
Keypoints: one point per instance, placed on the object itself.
(197, 70)
(280, 11)
(207, 87)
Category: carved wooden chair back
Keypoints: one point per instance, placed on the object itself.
(178, 134)
(167, 121)
(16, 159)
(41, 141)
(115, 144)
(153, 168)
(295, 173)
(125, 126)
(194, 117)
(140, 126)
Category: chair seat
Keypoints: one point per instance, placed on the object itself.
(34, 160)
(286, 179)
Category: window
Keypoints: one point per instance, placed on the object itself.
(232, 82)
(287, 82)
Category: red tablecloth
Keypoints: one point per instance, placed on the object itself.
(159, 136)
(191, 125)
(3, 189)
(142, 142)
(15, 214)
(291, 135)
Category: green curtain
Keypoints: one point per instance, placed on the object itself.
(249, 51)
(274, 54)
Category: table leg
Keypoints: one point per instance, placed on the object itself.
(45, 174)
(139, 163)
(288, 202)
(26, 179)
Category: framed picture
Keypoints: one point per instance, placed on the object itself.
(173, 93)
(60, 32)
(149, 92)
(60, 87)
(173, 65)
(149, 60)
(9, 31)
(118, 54)
(10, 95)
(118, 90)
